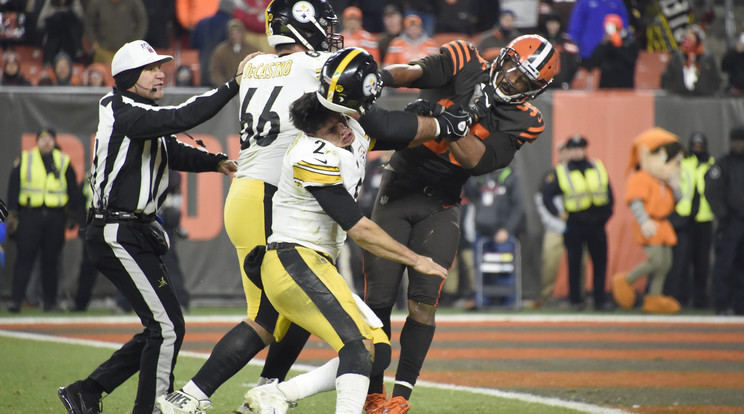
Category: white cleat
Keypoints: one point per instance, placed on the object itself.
(179, 402)
(265, 399)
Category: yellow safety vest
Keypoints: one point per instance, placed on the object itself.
(39, 188)
(581, 191)
(692, 178)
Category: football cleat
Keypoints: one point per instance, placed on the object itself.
(396, 405)
(375, 403)
(178, 402)
(78, 401)
(265, 399)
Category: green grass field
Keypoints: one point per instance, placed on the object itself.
(32, 370)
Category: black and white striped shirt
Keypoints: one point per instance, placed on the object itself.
(135, 147)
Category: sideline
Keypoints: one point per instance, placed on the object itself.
(529, 398)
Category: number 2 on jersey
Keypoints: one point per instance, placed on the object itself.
(258, 132)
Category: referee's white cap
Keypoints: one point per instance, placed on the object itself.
(134, 55)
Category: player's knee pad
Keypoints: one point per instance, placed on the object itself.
(354, 358)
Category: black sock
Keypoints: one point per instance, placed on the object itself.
(415, 340)
(229, 356)
(376, 378)
(284, 353)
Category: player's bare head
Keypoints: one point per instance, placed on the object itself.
(349, 81)
(523, 69)
(308, 23)
(309, 115)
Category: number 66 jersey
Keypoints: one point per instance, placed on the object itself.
(270, 84)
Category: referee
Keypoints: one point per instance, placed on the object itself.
(134, 150)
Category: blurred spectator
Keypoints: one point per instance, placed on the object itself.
(87, 273)
(691, 69)
(393, 22)
(733, 65)
(567, 50)
(487, 16)
(61, 24)
(499, 210)
(693, 223)
(587, 198)
(43, 199)
(616, 55)
(253, 14)
(208, 33)
(161, 15)
(554, 226)
(586, 26)
(184, 76)
(500, 35)
(456, 16)
(109, 24)
(724, 188)
(190, 12)
(412, 44)
(12, 75)
(666, 26)
(62, 72)
(227, 55)
(354, 33)
(95, 75)
(425, 9)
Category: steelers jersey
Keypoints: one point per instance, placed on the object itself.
(314, 162)
(269, 85)
(450, 78)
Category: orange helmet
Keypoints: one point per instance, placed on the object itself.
(532, 56)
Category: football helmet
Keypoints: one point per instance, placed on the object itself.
(523, 69)
(349, 81)
(309, 23)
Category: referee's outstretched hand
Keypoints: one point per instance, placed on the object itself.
(227, 166)
(239, 73)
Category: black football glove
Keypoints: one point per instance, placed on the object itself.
(454, 122)
(3, 211)
(481, 101)
(423, 107)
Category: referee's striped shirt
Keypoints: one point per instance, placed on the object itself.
(135, 147)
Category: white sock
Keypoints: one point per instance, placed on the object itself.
(319, 380)
(193, 390)
(351, 392)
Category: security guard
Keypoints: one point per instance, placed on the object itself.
(42, 199)
(587, 198)
(724, 188)
(693, 223)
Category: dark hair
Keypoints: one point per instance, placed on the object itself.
(308, 114)
(672, 149)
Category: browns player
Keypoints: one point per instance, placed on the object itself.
(419, 198)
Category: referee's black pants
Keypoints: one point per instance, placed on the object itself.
(121, 252)
(594, 237)
(41, 232)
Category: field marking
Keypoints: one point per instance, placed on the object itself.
(524, 397)
(456, 318)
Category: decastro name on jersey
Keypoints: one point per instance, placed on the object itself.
(268, 70)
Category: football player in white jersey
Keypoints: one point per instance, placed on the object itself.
(335, 167)
(321, 176)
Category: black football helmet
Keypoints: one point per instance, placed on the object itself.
(309, 23)
(349, 81)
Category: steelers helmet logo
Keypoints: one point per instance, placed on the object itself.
(370, 85)
(303, 11)
(339, 88)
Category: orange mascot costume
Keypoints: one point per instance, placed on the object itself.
(651, 193)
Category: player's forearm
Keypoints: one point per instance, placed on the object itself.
(468, 151)
(372, 238)
(403, 75)
(426, 130)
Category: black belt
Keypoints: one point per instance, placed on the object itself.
(98, 216)
(289, 246)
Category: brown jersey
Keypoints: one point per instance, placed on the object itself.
(451, 78)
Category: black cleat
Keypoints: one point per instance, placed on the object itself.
(79, 401)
